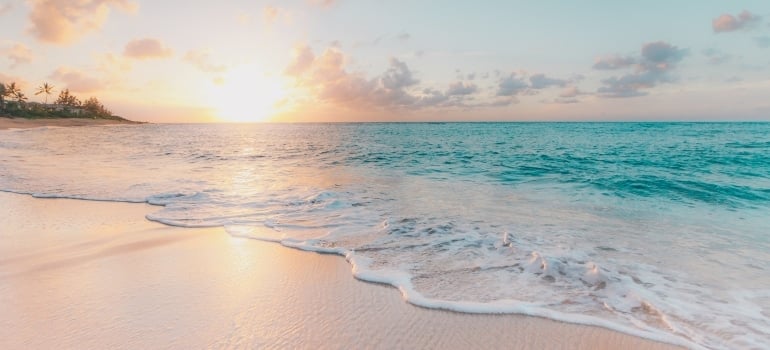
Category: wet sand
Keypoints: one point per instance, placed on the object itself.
(80, 274)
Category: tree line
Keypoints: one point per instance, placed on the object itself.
(15, 103)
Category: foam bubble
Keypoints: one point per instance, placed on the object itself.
(620, 237)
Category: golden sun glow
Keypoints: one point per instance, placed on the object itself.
(244, 94)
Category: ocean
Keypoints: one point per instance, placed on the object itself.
(660, 230)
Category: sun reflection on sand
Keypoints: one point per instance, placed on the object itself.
(144, 285)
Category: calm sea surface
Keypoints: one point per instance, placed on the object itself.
(656, 229)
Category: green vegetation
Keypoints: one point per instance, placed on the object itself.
(14, 103)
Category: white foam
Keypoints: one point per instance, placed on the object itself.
(401, 280)
(72, 196)
(169, 197)
(673, 273)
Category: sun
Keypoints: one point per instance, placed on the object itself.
(244, 94)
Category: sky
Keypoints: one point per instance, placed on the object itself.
(345, 60)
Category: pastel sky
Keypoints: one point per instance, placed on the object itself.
(346, 60)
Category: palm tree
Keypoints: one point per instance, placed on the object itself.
(46, 89)
(3, 91)
(11, 90)
(20, 97)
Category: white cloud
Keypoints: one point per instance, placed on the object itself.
(511, 86)
(657, 59)
(147, 48)
(541, 81)
(201, 59)
(613, 62)
(5, 8)
(729, 23)
(76, 80)
(327, 79)
(461, 89)
(65, 21)
(322, 3)
(18, 54)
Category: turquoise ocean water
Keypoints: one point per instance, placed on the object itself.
(655, 229)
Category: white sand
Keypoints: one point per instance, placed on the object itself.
(22, 123)
(96, 275)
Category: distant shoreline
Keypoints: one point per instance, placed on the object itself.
(8, 122)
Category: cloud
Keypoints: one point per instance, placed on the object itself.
(461, 89)
(613, 62)
(113, 64)
(568, 95)
(661, 55)
(500, 102)
(18, 54)
(272, 14)
(5, 8)
(763, 41)
(303, 60)
(76, 80)
(729, 23)
(7, 79)
(628, 85)
(202, 60)
(657, 59)
(322, 3)
(577, 77)
(715, 56)
(146, 49)
(511, 86)
(403, 37)
(432, 97)
(571, 91)
(540, 81)
(64, 21)
(398, 76)
(328, 80)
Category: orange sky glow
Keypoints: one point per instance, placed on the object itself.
(308, 61)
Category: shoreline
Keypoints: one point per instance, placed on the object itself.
(7, 122)
(98, 274)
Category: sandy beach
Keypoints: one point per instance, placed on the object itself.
(82, 274)
(23, 123)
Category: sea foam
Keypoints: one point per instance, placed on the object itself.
(653, 230)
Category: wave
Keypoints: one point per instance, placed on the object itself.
(401, 280)
(653, 230)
